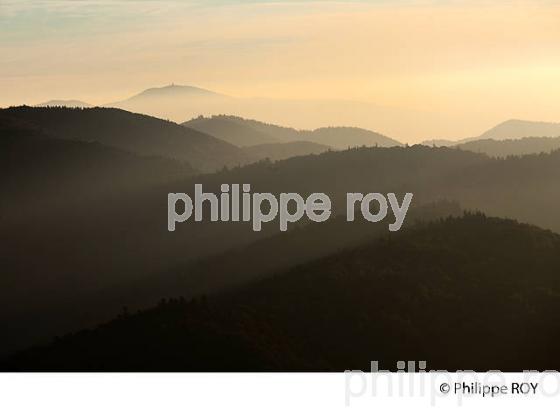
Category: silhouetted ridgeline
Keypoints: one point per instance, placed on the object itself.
(507, 131)
(501, 187)
(136, 133)
(465, 293)
(237, 131)
(513, 129)
(243, 132)
(504, 148)
(284, 150)
(38, 171)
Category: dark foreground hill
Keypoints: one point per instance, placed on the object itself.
(37, 170)
(136, 133)
(471, 293)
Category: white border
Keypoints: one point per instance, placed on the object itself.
(169, 391)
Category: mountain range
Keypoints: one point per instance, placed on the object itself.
(136, 133)
(112, 248)
(83, 233)
(178, 102)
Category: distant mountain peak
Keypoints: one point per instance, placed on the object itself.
(520, 121)
(176, 90)
(516, 128)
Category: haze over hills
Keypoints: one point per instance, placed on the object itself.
(382, 294)
(348, 137)
(174, 102)
(507, 130)
(503, 148)
(513, 137)
(514, 129)
(166, 95)
(135, 133)
(244, 132)
(173, 91)
(180, 102)
(235, 130)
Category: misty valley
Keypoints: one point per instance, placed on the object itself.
(134, 243)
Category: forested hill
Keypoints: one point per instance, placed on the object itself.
(38, 170)
(434, 293)
(136, 133)
(512, 129)
(504, 148)
(124, 236)
(523, 188)
(244, 132)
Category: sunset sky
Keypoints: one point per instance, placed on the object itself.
(474, 63)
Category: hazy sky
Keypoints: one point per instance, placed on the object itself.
(474, 62)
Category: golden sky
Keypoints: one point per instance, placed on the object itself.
(471, 63)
